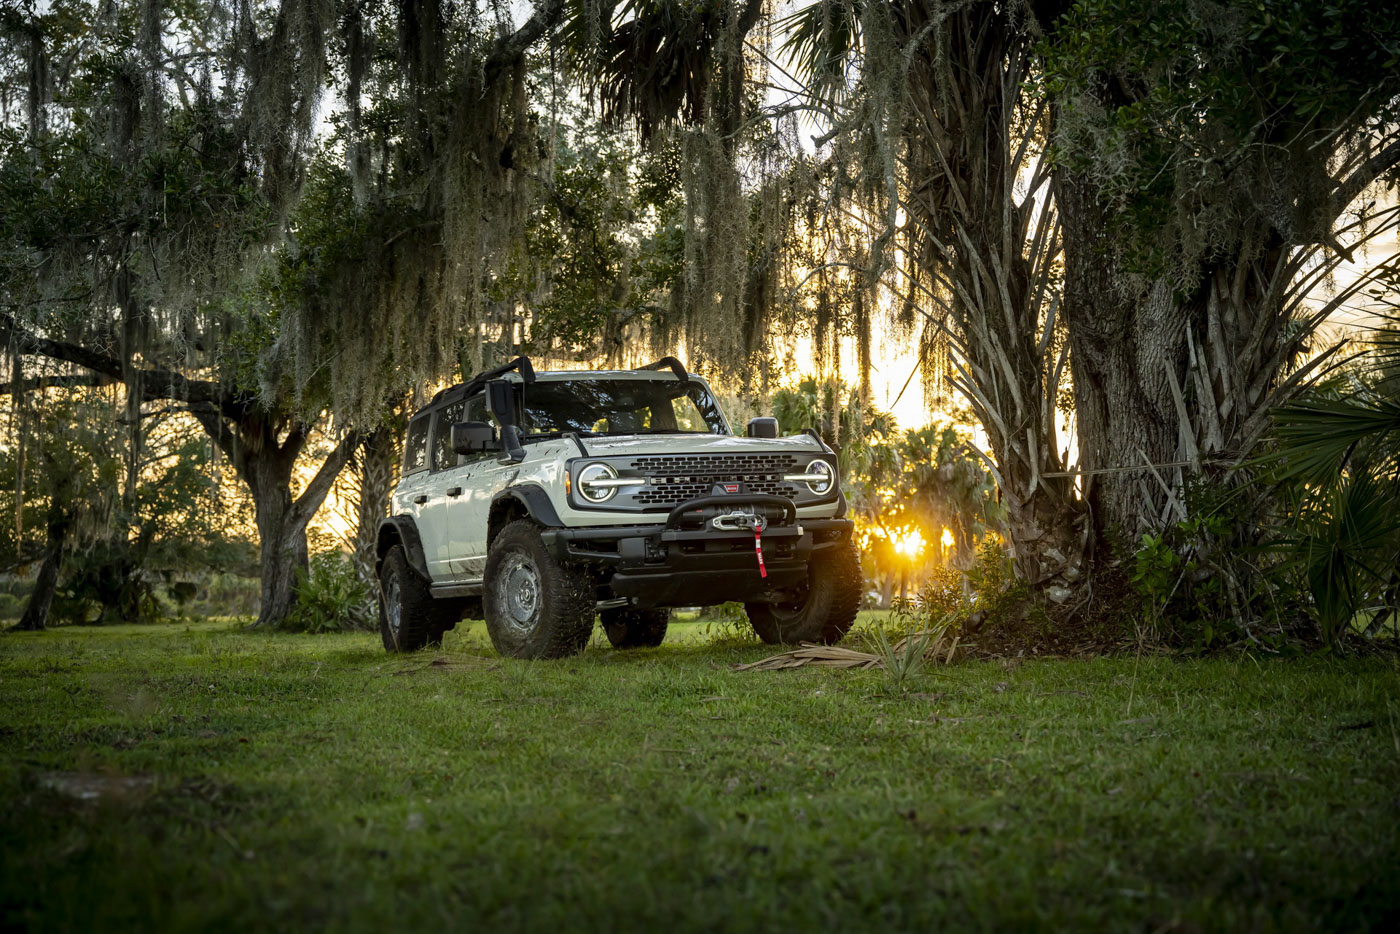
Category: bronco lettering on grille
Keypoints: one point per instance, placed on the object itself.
(674, 479)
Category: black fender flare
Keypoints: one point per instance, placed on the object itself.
(535, 501)
(401, 530)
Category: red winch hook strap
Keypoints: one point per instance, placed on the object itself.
(758, 549)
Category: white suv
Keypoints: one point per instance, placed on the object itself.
(541, 499)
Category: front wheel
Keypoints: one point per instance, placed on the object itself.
(535, 607)
(822, 610)
(635, 629)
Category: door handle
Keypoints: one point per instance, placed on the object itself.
(454, 491)
(420, 499)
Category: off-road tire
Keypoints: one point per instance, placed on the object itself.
(635, 629)
(421, 619)
(825, 609)
(534, 606)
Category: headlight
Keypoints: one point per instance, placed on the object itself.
(598, 483)
(590, 487)
(819, 477)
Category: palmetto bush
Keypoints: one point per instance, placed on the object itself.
(332, 597)
(1338, 463)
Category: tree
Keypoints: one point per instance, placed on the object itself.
(940, 150)
(130, 206)
(99, 543)
(1213, 164)
(74, 463)
(1187, 128)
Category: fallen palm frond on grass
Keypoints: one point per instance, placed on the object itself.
(915, 648)
(455, 661)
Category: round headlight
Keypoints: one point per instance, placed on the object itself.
(823, 483)
(589, 486)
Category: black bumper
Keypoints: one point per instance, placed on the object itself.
(671, 565)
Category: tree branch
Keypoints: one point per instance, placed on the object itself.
(508, 49)
(1364, 174)
(71, 381)
(214, 425)
(156, 383)
(315, 493)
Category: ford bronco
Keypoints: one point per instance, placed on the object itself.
(538, 500)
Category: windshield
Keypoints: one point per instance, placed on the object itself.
(619, 407)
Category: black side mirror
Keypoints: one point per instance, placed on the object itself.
(763, 427)
(474, 437)
(500, 401)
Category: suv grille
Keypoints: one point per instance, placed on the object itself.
(676, 478)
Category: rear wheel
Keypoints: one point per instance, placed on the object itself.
(409, 617)
(635, 629)
(822, 610)
(535, 607)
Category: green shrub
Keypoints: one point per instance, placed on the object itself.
(1204, 583)
(331, 597)
(12, 606)
(727, 624)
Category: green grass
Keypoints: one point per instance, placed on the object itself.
(314, 782)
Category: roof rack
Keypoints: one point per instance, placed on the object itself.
(675, 366)
(522, 364)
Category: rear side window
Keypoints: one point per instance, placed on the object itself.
(415, 448)
(443, 455)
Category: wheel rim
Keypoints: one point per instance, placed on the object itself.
(791, 609)
(393, 605)
(519, 593)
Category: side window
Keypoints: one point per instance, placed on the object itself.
(443, 455)
(415, 448)
(476, 410)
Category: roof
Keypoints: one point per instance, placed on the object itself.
(520, 370)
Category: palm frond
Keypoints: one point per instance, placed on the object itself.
(1317, 436)
(1351, 553)
(821, 42)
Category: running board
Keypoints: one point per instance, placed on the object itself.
(473, 589)
(463, 589)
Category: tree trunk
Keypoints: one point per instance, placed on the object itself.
(379, 457)
(36, 614)
(1182, 382)
(266, 464)
(1125, 352)
(988, 252)
(282, 549)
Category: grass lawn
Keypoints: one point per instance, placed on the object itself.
(240, 780)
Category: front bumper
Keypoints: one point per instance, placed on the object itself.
(687, 562)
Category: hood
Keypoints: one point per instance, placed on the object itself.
(698, 444)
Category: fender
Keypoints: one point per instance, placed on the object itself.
(401, 530)
(535, 500)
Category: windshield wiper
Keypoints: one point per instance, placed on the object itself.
(540, 435)
(656, 431)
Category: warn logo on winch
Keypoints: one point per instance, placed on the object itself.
(730, 487)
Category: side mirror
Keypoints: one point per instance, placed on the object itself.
(474, 437)
(763, 427)
(500, 401)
